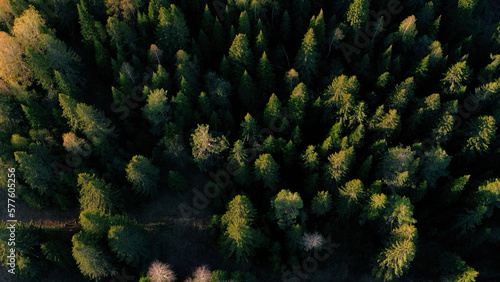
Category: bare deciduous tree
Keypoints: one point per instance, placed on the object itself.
(161, 272)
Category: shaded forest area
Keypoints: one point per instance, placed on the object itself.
(261, 140)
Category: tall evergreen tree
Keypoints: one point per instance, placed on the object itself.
(172, 31)
(266, 170)
(286, 207)
(307, 60)
(206, 148)
(143, 175)
(265, 75)
(297, 103)
(357, 14)
(157, 110)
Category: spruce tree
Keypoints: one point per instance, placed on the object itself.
(286, 207)
(143, 175)
(297, 103)
(307, 59)
(265, 75)
(266, 170)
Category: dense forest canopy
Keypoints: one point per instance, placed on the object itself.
(264, 140)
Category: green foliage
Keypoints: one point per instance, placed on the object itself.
(239, 239)
(129, 243)
(207, 149)
(272, 112)
(286, 207)
(398, 167)
(96, 195)
(94, 223)
(143, 175)
(349, 198)
(456, 269)
(434, 165)
(266, 170)
(265, 75)
(91, 259)
(239, 53)
(339, 165)
(456, 79)
(157, 110)
(172, 32)
(386, 124)
(481, 133)
(36, 169)
(358, 13)
(297, 103)
(395, 260)
(310, 158)
(307, 60)
(321, 203)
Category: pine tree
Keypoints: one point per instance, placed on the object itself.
(240, 239)
(260, 43)
(456, 79)
(272, 112)
(387, 124)
(92, 30)
(339, 165)
(408, 31)
(240, 56)
(297, 103)
(249, 128)
(143, 175)
(266, 170)
(340, 92)
(310, 158)
(246, 91)
(265, 75)
(395, 260)
(357, 14)
(317, 23)
(398, 167)
(456, 269)
(286, 207)
(402, 95)
(172, 31)
(157, 110)
(434, 164)
(127, 241)
(375, 206)
(321, 203)
(207, 20)
(444, 129)
(349, 198)
(307, 60)
(91, 259)
(97, 195)
(481, 134)
(244, 24)
(160, 79)
(206, 148)
(36, 169)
